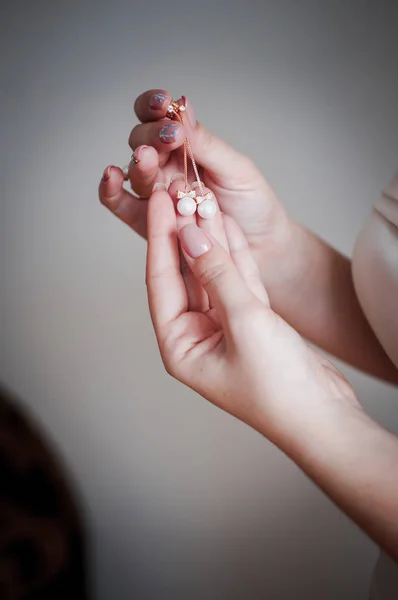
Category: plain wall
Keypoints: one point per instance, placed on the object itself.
(182, 500)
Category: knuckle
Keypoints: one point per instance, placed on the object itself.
(170, 355)
(166, 273)
(185, 269)
(110, 201)
(169, 366)
(212, 274)
(134, 133)
(251, 276)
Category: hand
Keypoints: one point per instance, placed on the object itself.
(294, 263)
(241, 189)
(235, 351)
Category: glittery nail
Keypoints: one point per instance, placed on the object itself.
(168, 133)
(157, 101)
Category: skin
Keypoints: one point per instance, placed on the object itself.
(243, 357)
(230, 338)
(293, 262)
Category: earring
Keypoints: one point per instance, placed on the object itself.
(188, 200)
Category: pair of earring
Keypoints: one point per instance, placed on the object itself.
(188, 200)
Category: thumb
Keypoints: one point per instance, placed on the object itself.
(215, 270)
(212, 153)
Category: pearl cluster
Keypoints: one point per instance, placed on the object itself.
(189, 202)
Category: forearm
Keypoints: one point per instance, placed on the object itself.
(318, 299)
(355, 462)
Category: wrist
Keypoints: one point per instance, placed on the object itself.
(354, 460)
(314, 426)
(322, 435)
(337, 444)
(281, 259)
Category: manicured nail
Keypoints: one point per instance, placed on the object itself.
(177, 177)
(137, 154)
(195, 185)
(159, 185)
(157, 101)
(169, 132)
(194, 240)
(107, 173)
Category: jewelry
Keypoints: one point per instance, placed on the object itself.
(134, 159)
(188, 200)
(125, 169)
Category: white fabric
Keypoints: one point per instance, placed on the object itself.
(375, 269)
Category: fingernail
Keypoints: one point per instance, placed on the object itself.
(157, 101)
(159, 185)
(137, 154)
(195, 184)
(169, 132)
(190, 113)
(176, 177)
(194, 240)
(107, 173)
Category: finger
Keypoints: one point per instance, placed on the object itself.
(145, 172)
(215, 270)
(166, 289)
(129, 209)
(152, 105)
(219, 159)
(243, 259)
(197, 297)
(213, 225)
(164, 136)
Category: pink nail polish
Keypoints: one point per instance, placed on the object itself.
(194, 240)
(107, 173)
(138, 152)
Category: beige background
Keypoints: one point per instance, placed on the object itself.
(182, 500)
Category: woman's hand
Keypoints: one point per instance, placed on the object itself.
(241, 189)
(309, 283)
(217, 333)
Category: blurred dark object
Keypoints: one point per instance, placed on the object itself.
(42, 553)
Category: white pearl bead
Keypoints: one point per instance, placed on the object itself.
(186, 206)
(207, 209)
